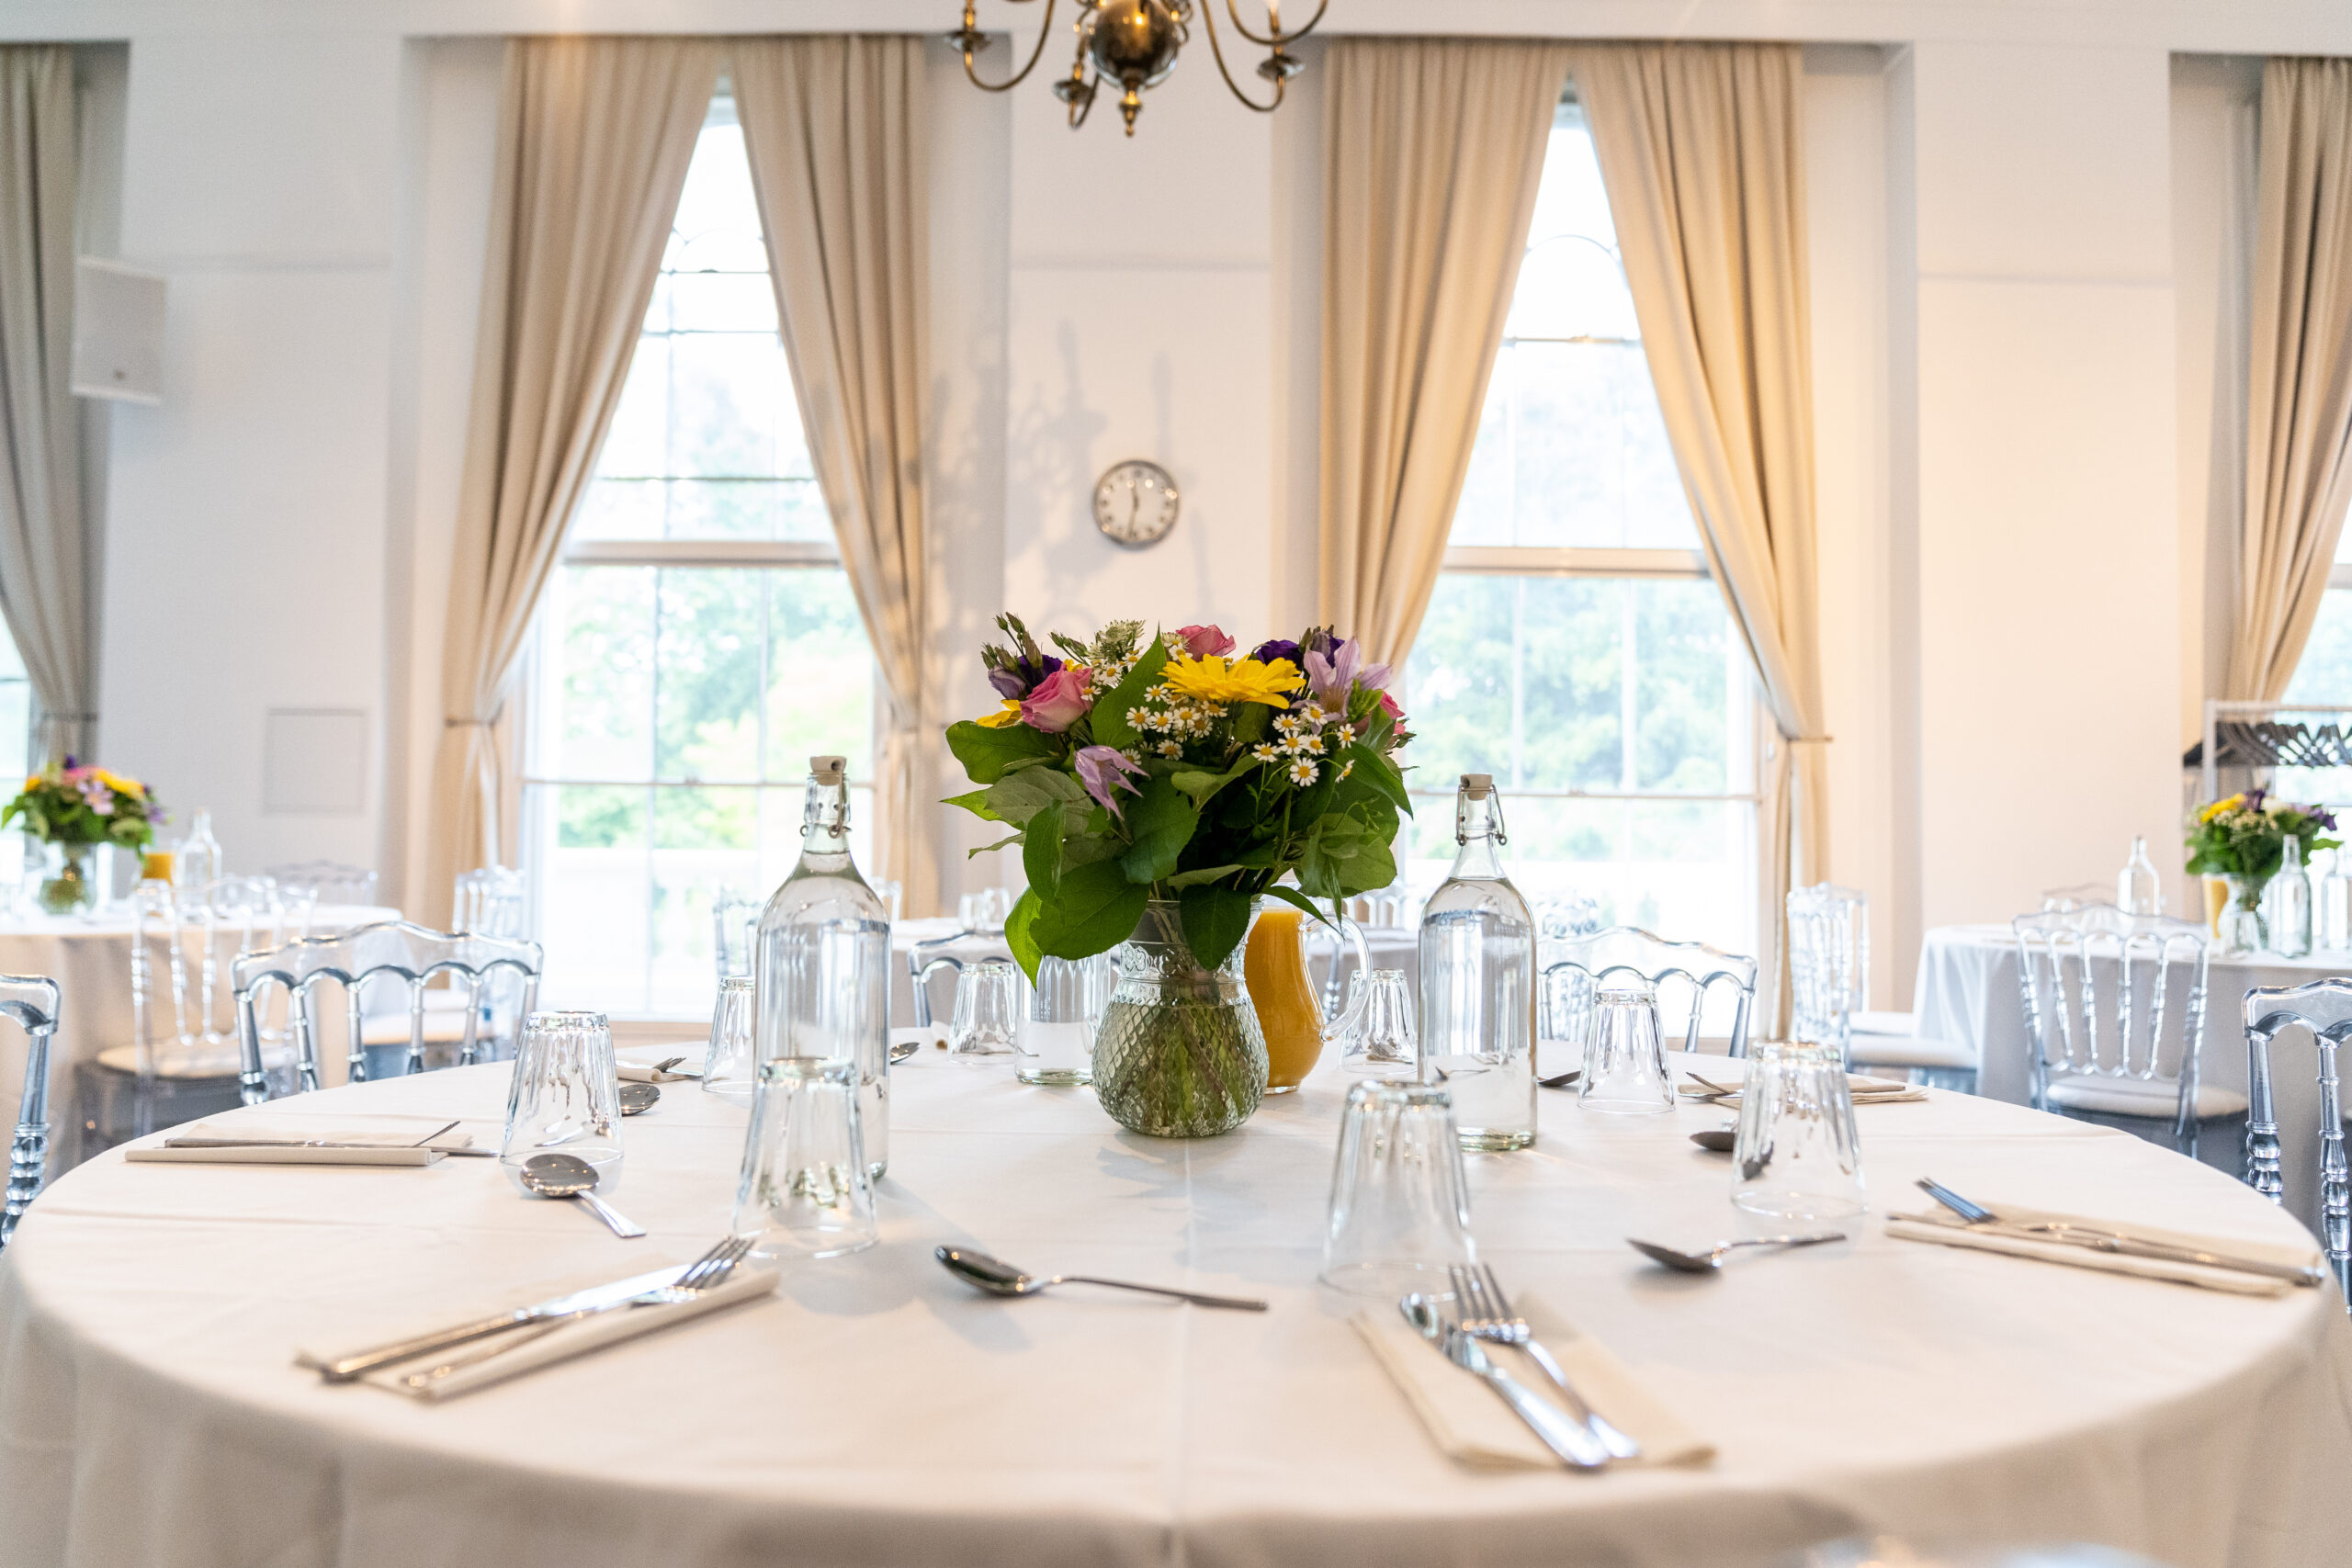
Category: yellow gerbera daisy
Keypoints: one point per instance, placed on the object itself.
(1009, 714)
(2232, 804)
(1212, 680)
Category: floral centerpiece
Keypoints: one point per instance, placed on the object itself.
(1158, 788)
(2242, 839)
(78, 811)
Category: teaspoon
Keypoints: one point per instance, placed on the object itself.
(1712, 1258)
(568, 1175)
(638, 1097)
(1001, 1279)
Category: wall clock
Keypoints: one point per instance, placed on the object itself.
(1135, 504)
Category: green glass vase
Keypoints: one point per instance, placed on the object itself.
(1179, 1052)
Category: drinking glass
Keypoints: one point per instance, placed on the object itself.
(1796, 1156)
(987, 1020)
(984, 911)
(1057, 1033)
(892, 893)
(1386, 1046)
(730, 1067)
(805, 1189)
(566, 1095)
(1624, 1063)
(1400, 1203)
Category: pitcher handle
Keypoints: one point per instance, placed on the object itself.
(1350, 1021)
(921, 974)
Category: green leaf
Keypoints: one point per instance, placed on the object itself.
(1005, 842)
(1093, 910)
(1184, 879)
(977, 803)
(1380, 773)
(1333, 841)
(1019, 933)
(986, 753)
(1251, 722)
(1370, 869)
(1110, 714)
(1199, 785)
(1018, 797)
(1293, 896)
(1159, 824)
(1215, 920)
(1041, 851)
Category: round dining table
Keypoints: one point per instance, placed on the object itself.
(875, 1410)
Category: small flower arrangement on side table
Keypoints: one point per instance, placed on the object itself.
(80, 815)
(2242, 839)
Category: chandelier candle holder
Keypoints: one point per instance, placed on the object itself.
(1160, 790)
(1133, 45)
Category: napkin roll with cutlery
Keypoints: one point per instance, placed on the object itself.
(2010, 1235)
(1469, 1424)
(382, 1140)
(1865, 1091)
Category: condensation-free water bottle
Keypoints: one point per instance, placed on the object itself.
(2137, 890)
(2290, 901)
(821, 972)
(1478, 982)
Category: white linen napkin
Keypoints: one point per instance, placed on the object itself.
(528, 1348)
(1947, 1229)
(637, 1067)
(255, 1141)
(1469, 1423)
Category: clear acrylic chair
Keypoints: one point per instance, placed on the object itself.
(2325, 1008)
(2115, 1019)
(325, 882)
(176, 1067)
(490, 902)
(1576, 967)
(31, 1001)
(734, 923)
(395, 950)
(1829, 988)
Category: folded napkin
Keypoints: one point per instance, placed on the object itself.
(527, 1350)
(643, 1070)
(1865, 1091)
(421, 1141)
(1470, 1422)
(1941, 1225)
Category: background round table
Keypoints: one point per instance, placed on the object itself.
(879, 1412)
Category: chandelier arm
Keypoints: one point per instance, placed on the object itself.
(1276, 37)
(1208, 15)
(1045, 31)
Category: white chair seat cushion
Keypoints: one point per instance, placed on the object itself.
(1887, 1023)
(2138, 1097)
(192, 1061)
(441, 1028)
(1910, 1051)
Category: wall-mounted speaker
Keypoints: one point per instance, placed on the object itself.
(117, 331)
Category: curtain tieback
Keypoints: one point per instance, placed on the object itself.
(1809, 739)
(467, 723)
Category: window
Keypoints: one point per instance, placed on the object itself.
(699, 642)
(2325, 675)
(1575, 648)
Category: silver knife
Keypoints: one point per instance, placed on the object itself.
(348, 1368)
(2133, 1247)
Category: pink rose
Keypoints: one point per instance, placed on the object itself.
(1201, 642)
(1057, 703)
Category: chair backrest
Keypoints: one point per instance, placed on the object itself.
(1581, 963)
(1562, 916)
(31, 1000)
(489, 902)
(1829, 963)
(2323, 1007)
(2082, 974)
(735, 927)
(2081, 895)
(325, 882)
(410, 953)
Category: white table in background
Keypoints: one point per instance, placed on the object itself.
(880, 1413)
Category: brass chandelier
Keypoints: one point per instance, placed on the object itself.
(1133, 44)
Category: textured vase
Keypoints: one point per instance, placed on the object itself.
(2243, 930)
(73, 877)
(1179, 1053)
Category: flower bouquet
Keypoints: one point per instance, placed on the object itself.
(2242, 839)
(1158, 788)
(79, 811)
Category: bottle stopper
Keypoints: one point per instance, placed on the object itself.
(830, 770)
(1479, 785)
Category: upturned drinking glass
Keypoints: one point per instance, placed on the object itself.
(729, 1067)
(566, 1096)
(1386, 1046)
(1400, 1202)
(805, 1188)
(1624, 1061)
(1796, 1156)
(1056, 1035)
(987, 1022)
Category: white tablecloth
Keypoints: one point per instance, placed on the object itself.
(880, 1413)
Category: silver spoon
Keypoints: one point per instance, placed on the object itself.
(1721, 1140)
(1712, 1258)
(1001, 1279)
(638, 1097)
(904, 1050)
(1561, 1080)
(568, 1175)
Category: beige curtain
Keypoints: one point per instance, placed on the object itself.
(594, 137)
(1701, 149)
(1432, 153)
(2298, 402)
(47, 546)
(834, 128)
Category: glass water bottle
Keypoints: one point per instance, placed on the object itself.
(195, 860)
(2333, 920)
(2137, 891)
(2290, 899)
(1478, 982)
(821, 975)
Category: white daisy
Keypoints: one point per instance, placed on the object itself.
(1264, 754)
(1171, 748)
(1302, 772)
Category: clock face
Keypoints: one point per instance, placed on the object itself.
(1135, 504)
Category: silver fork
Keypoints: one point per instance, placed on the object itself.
(1487, 1314)
(703, 1275)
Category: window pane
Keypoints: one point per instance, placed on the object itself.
(730, 397)
(708, 679)
(2325, 673)
(607, 681)
(1679, 690)
(637, 442)
(721, 301)
(717, 226)
(821, 691)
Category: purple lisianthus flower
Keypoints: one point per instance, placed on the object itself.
(1333, 677)
(1279, 647)
(1015, 680)
(1103, 769)
(2254, 798)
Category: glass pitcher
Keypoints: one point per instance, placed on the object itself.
(1290, 1011)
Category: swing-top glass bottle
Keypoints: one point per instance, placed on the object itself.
(822, 974)
(1478, 982)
